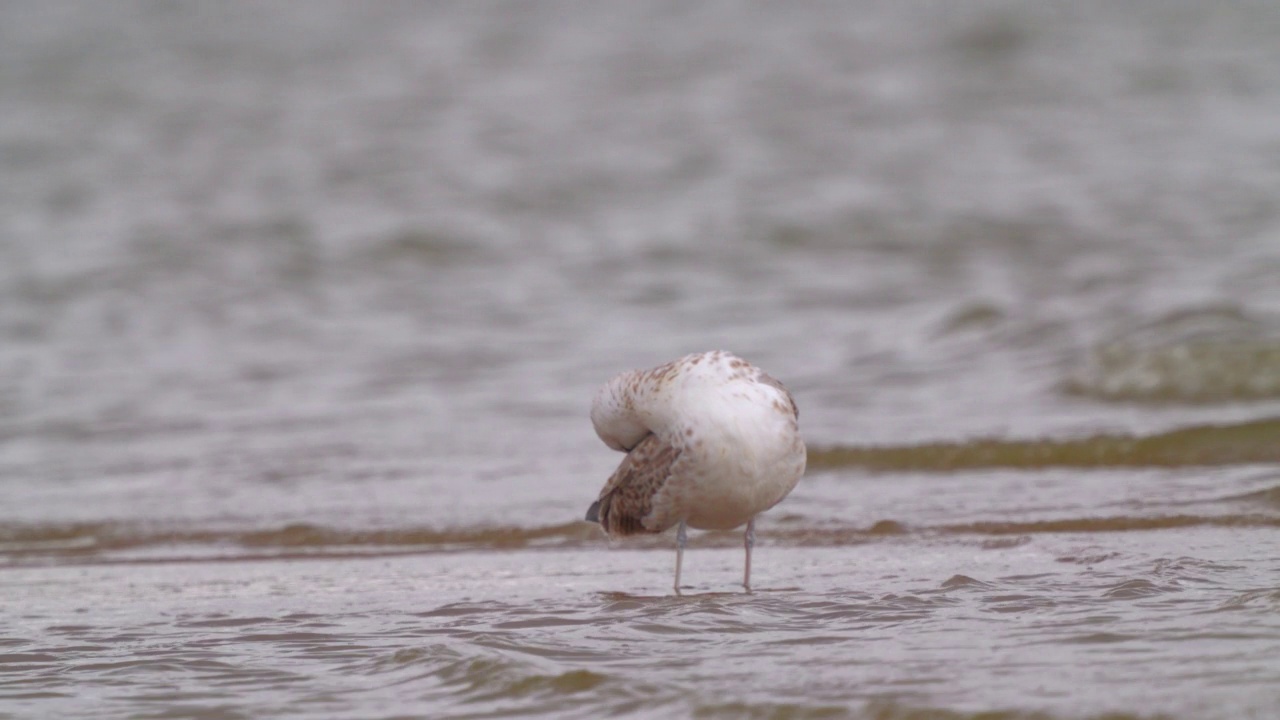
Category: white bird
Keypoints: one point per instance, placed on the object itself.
(711, 442)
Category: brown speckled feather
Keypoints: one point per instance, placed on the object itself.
(628, 496)
(768, 379)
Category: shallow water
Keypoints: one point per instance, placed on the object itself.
(1084, 624)
(301, 311)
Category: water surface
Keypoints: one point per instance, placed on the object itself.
(301, 310)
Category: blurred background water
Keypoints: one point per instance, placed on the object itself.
(280, 280)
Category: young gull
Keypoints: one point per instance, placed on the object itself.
(711, 442)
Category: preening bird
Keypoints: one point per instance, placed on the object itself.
(711, 442)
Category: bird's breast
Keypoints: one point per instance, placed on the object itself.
(734, 477)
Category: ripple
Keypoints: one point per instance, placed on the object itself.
(1134, 589)
(1201, 445)
(1197, 356)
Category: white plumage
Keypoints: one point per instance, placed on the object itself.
(711, 442)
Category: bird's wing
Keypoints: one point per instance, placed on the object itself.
(628, 496)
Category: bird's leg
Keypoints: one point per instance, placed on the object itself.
(748, 542)
(681, 539)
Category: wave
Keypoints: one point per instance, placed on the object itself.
(1204, 445)
(95, 543)
(877, 710)
(1196, 356)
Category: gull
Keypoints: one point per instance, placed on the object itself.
(711, 442)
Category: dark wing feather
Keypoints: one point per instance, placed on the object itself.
(628, 496)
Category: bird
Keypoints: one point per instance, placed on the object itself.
(711, 441)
